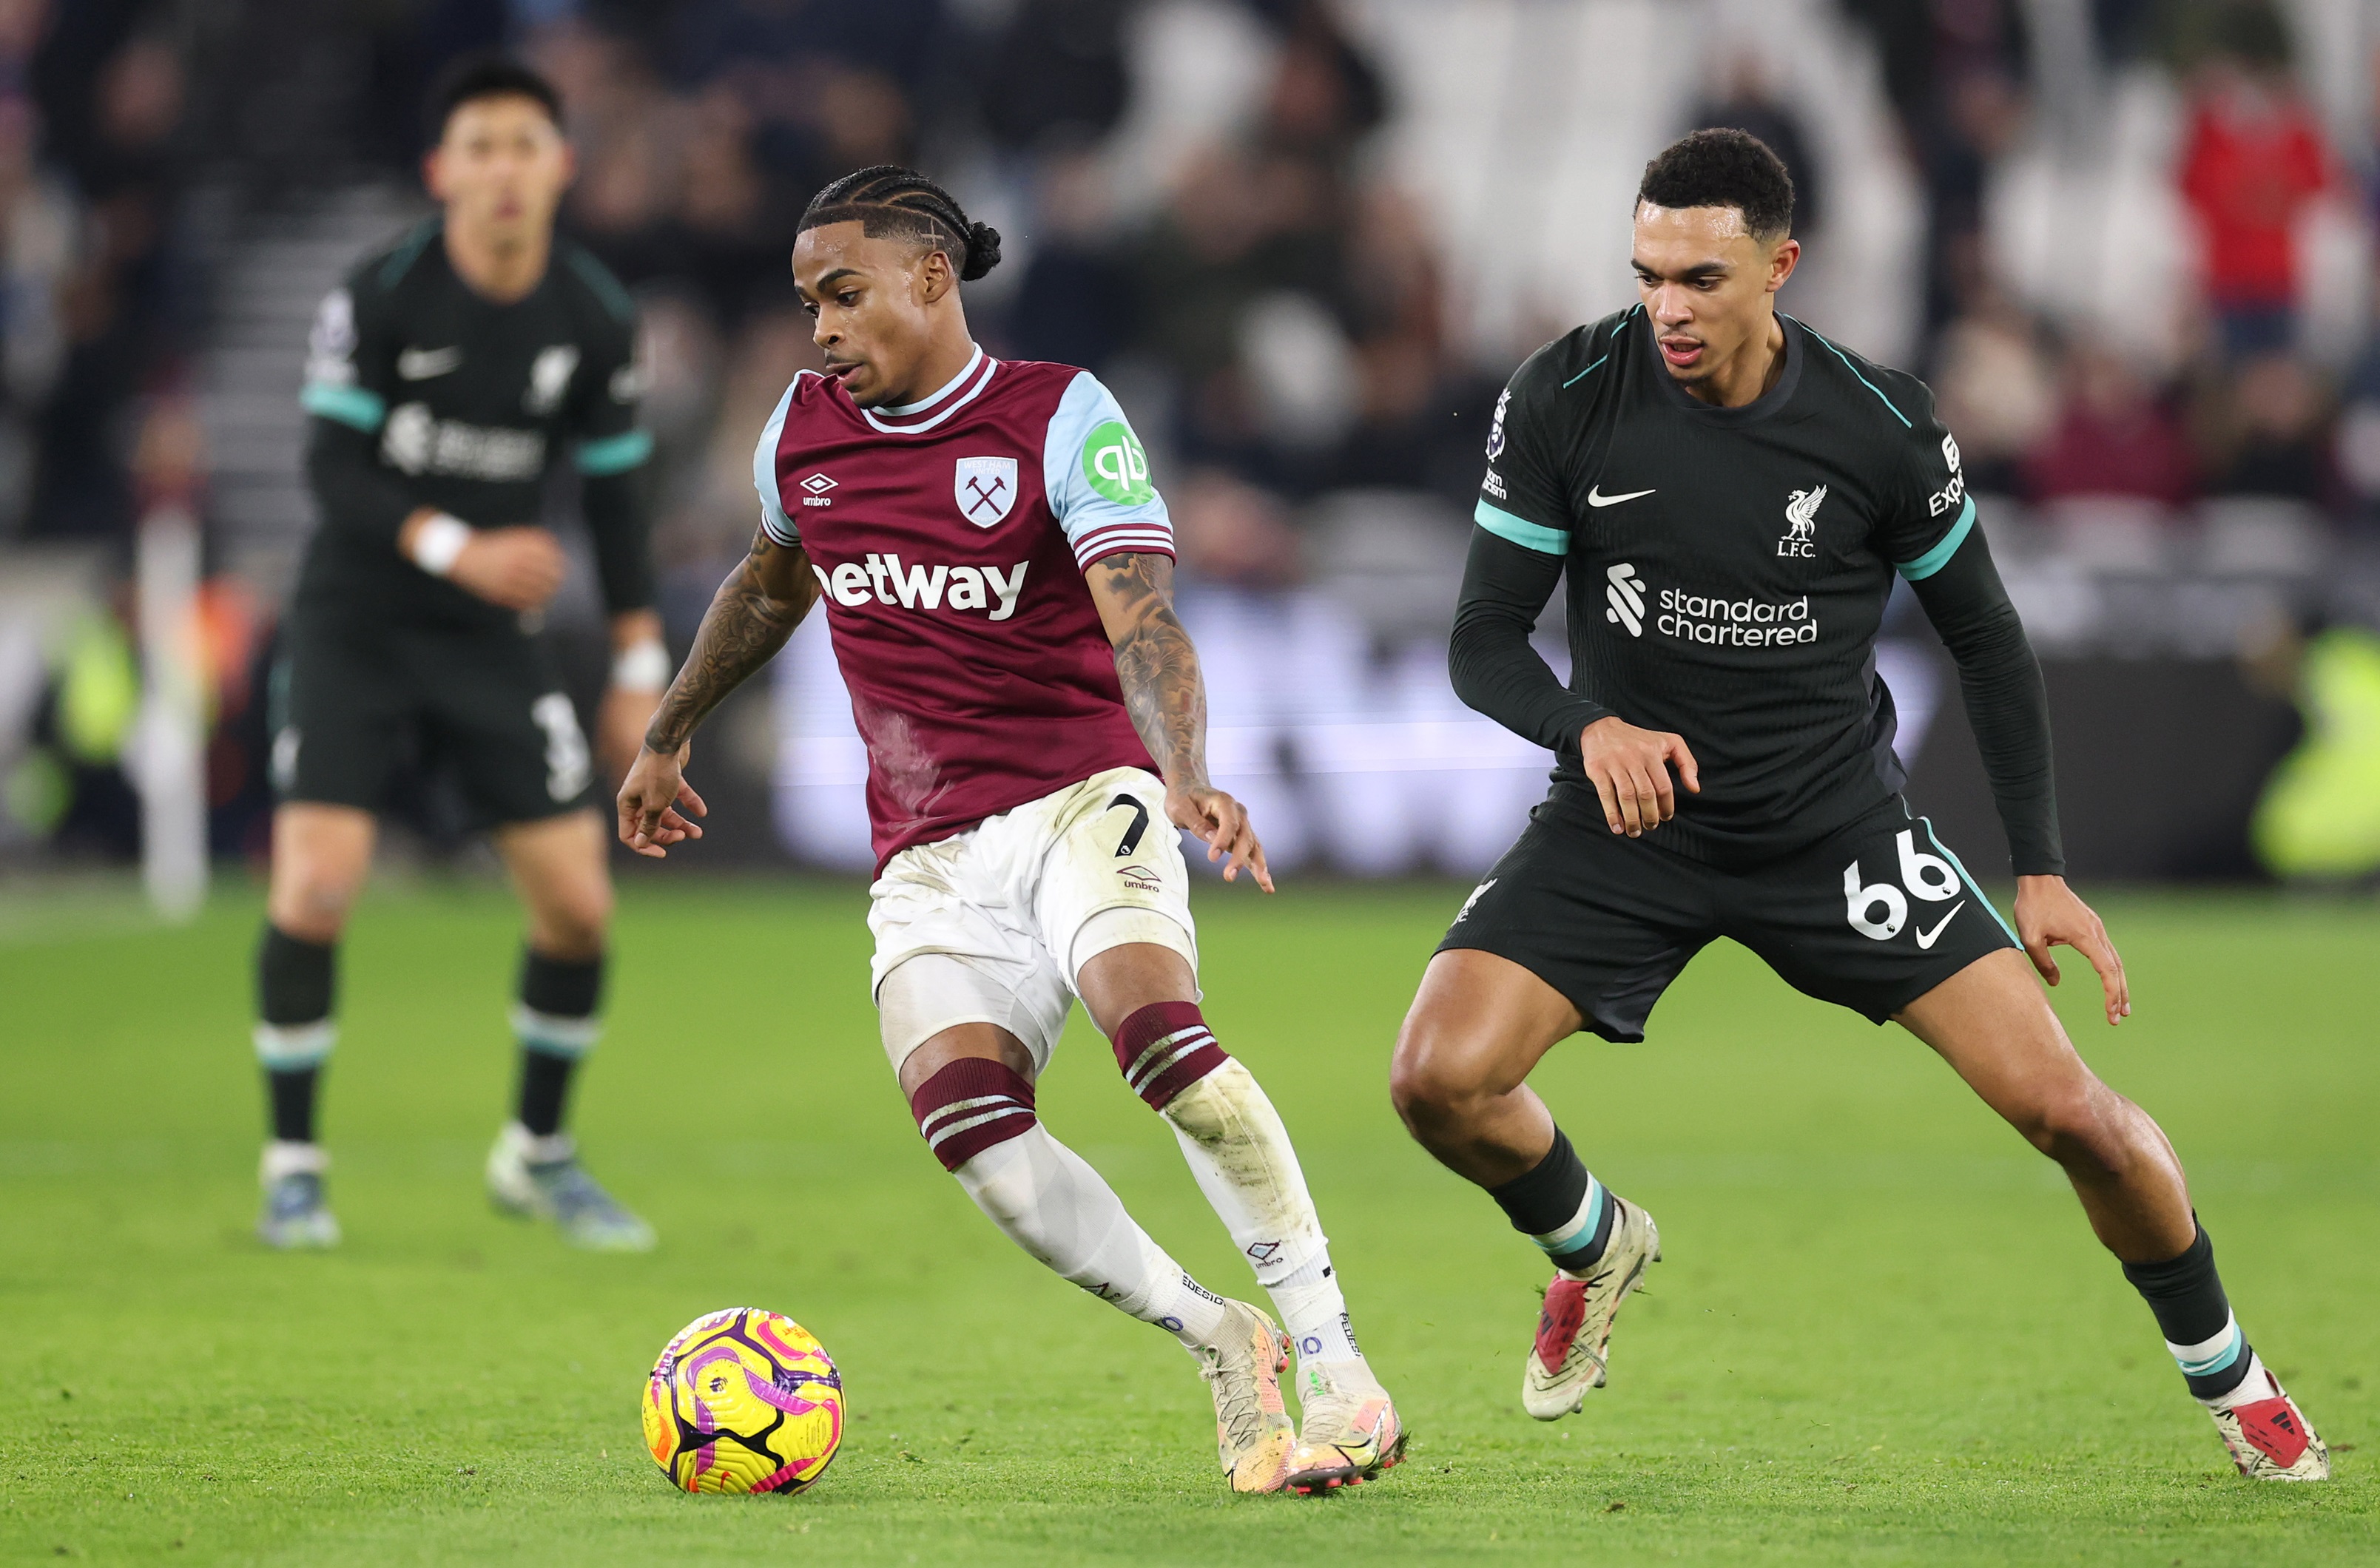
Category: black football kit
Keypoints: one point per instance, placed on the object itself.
(1728, 571)
(425, 393)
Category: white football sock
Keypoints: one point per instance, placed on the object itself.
(1237, 1148)
(1314, 1313)
(2258, 1384)
(1052, 1204)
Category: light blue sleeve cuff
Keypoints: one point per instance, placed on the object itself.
(1093, 522)
(1934, 559)
(1521, 531)
(615, 454)
(351, 406)
(764, 474)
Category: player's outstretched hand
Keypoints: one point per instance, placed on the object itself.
(1222, 822)
(514, 568)
(620, 725)
(1630, 767)
(655, 802)
(2047, 913)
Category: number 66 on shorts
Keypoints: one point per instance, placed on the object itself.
(1928, 876)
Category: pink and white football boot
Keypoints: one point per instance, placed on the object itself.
(1573, 1341)
(2269, 1437)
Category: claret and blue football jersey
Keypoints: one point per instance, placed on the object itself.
(949, 538)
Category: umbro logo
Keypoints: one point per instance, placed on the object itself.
(422, 363)
(816, 484)
(1624, 594)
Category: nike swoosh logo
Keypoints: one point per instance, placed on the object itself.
(1596, 497)
(1925, 938)
(420, 364)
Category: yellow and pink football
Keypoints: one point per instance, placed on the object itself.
(744, 1401)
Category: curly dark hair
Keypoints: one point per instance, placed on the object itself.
(889, 199)
(1723, 168)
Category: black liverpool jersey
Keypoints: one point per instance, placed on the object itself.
(1727, 567)
(427, 393)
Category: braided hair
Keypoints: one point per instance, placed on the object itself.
(889, 199)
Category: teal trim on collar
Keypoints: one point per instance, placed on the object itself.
(600, 283)
(1855, 369)
(1615, 338)
(349, 405)
(401, 261)
(1521, 531)
(1934, 559)
(614, 454)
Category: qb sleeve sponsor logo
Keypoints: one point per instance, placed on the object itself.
(1877, 911)
(1115, 464)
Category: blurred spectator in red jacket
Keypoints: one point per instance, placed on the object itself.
(2112, 437)
(2254, 160)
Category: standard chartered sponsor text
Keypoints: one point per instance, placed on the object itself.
(1735, 624)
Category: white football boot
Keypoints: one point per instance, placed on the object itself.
(1243, 1368)
(2269, 1437)
(1573, 1341)
(540, 1178)
(1348, 1428)
(295, 1215)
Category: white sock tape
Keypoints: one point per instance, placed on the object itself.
(642, 666)
(438, 542)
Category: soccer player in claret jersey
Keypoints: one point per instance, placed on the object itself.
(446, 377)
(997, 571)
(1730, 495)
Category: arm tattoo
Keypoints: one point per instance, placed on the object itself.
(750, 619)
(1157, 665)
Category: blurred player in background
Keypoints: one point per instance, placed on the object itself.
(1000, 571)
(1731, 495)
(445, 378)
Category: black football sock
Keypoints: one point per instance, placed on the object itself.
(295, 979)
(2187, 1297)
(1560, 1207)
(556, 1023)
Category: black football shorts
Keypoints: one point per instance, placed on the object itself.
(355, 698)
(1872, 917)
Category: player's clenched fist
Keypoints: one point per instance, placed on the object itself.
(657, 803)
(1630, 767)
(515, 568)
(1223, 824)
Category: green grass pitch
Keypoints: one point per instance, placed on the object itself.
(1883, 1333)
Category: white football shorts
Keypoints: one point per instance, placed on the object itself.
(992, 925)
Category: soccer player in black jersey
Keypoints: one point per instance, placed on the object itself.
(1728, 495)
(446, 377)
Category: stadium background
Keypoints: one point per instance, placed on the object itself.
(2130, 242)
(1305, 244)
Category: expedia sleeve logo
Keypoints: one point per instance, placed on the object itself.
(1116, 466)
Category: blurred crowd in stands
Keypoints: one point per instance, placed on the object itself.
(1274, 303)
